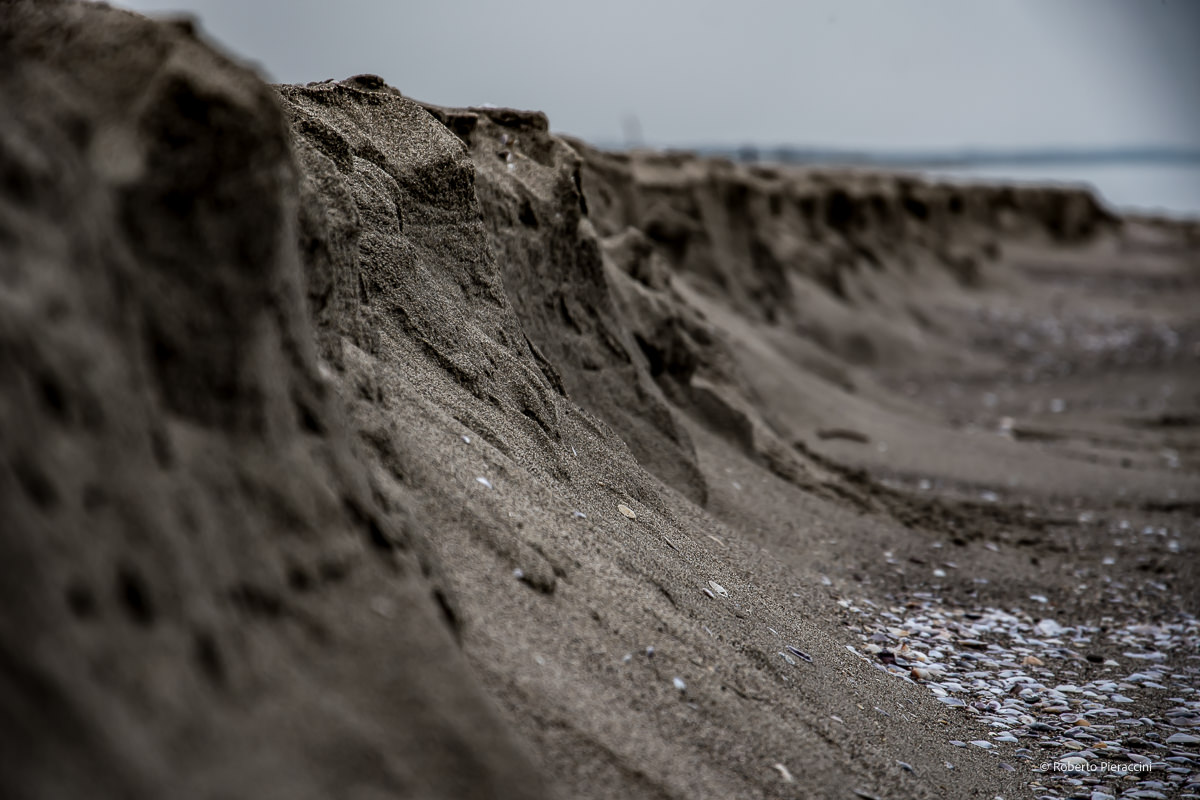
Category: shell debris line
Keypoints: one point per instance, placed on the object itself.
(1047, 695)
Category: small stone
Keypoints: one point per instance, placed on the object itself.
(383, 606)
(626, 510)
(484, 481)
(679, 684)
(1033, 661)
(1183, 738)
(718, 588)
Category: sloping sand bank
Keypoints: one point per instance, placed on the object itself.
(354, 447)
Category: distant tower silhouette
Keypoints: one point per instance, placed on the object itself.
(631, 126)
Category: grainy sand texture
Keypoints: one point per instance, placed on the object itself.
(356, 447)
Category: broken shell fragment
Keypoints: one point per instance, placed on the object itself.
(626, 510)
(800, 654)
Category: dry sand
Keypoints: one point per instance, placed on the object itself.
(354, 447)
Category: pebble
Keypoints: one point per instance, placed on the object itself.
(718, 588)
(383, 606)
(484, 481)
(679, 684)
(624, 509)
(1025, 683)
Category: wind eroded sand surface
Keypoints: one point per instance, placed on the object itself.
(360, 447)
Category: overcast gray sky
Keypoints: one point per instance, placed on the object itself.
(883, 74)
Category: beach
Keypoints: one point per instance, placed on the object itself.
(358, 446)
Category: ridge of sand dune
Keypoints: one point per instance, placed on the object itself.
(359, 447)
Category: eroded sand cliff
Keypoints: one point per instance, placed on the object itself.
(320, 407)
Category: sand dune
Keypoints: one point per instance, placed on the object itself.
(359, 447)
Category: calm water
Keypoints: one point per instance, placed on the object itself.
(1172, 189)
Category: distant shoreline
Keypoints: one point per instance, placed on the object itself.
(961, 158)
(1141, 180)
